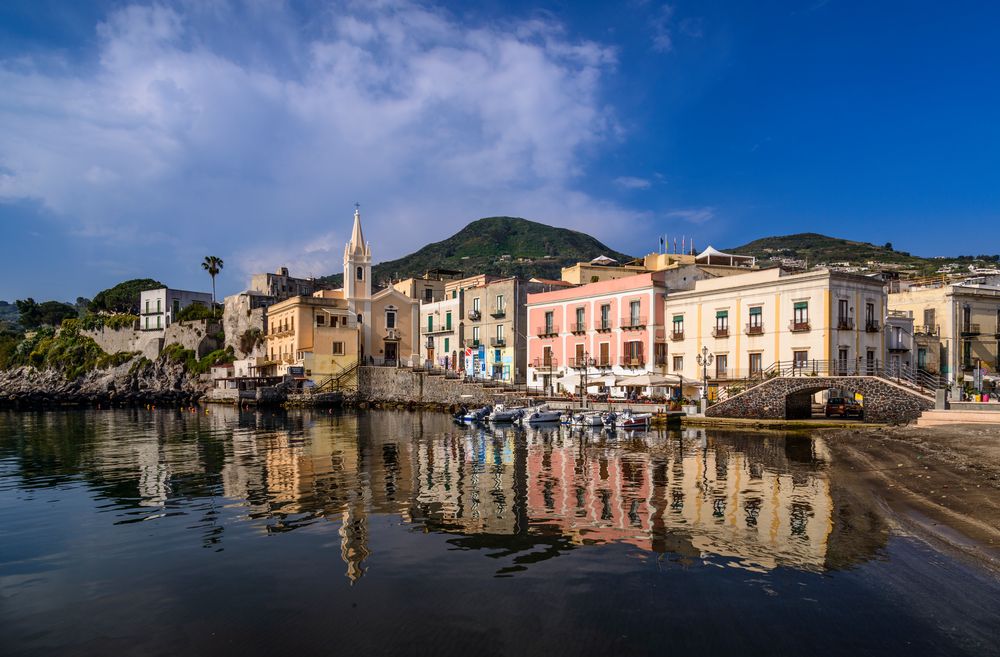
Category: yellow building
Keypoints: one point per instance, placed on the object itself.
(318, 333)
(961, 321)
(605, 269)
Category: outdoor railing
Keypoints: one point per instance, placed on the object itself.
(903, 374)
(579, 328)
(927, 330)
(872, 326)
(969, 328)
(498, 312)
(798, 327)
(547, 331)
(636, 322)
(720, 332)
(545, 363)
(604, 326)
(676, 335)
(474, 315)
(498, 342)
(754, 329)
(632, 362)
(845, 323)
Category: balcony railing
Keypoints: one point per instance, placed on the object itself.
(604, 326)
(898, 346)
(545, 363)
(579, 328)
(720, 332)
(498, 342)
(676, 335)
(547, 331)
(927, 330)
(872, 326)
(602, 363)
(969, 328)
(439, 329)
(470, 342)
(581, 363)
(633, 323)
(499, 312)
(845, 323)
(475, 315)
(754, 329)
(632, 362)
(798, 327)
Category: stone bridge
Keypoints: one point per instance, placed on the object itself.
(790, 397)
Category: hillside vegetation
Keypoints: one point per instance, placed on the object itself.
(816, 249)
(505, 246)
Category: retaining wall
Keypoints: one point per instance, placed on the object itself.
(388, 384)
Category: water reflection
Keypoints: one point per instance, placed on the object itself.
(756, 502)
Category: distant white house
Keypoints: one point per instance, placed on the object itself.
(158, 309)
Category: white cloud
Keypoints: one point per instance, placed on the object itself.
(663, 40)
(693, 215)
(630, 182)
(253, 130)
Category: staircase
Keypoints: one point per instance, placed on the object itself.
(344, 379)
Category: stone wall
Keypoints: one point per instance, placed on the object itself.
(113, 341)
(785, 397)
(238, 317)
(388, 384)
(197, 335)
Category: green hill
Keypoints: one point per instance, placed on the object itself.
(815, 249)
(504, 246)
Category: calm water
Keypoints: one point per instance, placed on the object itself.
(170, 533)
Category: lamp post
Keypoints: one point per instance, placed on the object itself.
(704, 359)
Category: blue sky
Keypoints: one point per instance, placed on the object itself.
(136, 138)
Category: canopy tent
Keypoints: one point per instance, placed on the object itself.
(711, 256)
(574, 381)
(642, 381)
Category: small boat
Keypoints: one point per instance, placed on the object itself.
(503, 414)
(587, 419)
(477, 415)
(630, 420)
(542, 415)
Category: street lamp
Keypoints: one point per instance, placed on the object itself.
(704, 359)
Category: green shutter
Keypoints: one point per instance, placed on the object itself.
(801, 305)
(678, 318)
(722, 314)
(755, 310)
(446, 349)
(430, 323)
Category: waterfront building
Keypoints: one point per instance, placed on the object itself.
(899, 341)
(429, 287)
(311, 336)
(280, 285)
(751, 321)
(442, 333)
(957, 326)
(160, 308)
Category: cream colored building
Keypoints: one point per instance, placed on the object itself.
(960, 320)
(750, 321)
(605, 269)
(317, 333)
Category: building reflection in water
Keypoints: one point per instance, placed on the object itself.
(756, 501)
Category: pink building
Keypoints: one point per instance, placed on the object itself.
(612, 331)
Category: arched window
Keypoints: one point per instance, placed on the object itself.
(361, 273)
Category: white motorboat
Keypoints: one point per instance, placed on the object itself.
(503, 414)
(630, 420)
(542, 415)
(587, 419)
(477, 415)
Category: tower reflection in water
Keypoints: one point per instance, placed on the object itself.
(757, 502)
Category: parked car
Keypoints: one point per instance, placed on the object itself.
(844, 407)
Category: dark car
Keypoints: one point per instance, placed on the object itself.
(844, 407)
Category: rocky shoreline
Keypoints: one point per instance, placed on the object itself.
(136, 383)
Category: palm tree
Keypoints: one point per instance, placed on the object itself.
(213, 265)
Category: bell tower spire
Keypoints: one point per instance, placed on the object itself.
(357, 262)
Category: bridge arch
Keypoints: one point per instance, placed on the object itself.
(788, 397)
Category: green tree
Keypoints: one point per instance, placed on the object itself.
(213, 265)
(124, 297)
(47, 313)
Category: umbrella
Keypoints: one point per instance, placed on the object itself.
(643, 380)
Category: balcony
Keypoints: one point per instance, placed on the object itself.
(970, 329)
(545, 364)
(604, 326)
(676, 335)
(798, 327)
(439, 330)
(498, 342)
(581, 363)
(547, 331)
(898, 346)
(872, 326)
(927, 330)
(754, 329)
(579, 328)
(602, 363)
(633, 323)
(720, 332)
(475, 315)
(498, 313)
(845, 323)
(632, 362)
(472, 343)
